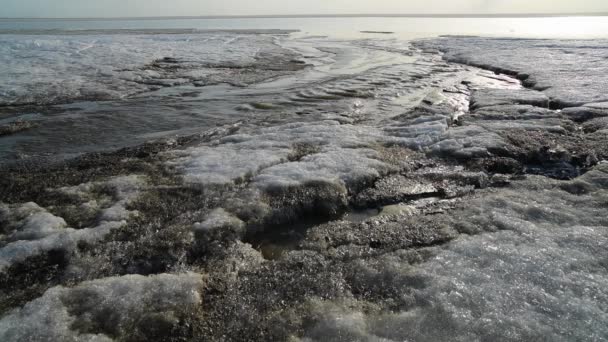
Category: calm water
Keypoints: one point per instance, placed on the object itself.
(562, 27)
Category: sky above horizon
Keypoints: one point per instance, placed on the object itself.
(136, 8)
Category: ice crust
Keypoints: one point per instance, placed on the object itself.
(570, 72)
(339, 155)
(534, 270)
(338, 165)
(36, 231)
(30, 222)
(107, 309)
(339, 152)
(217, 219)
(344, 154)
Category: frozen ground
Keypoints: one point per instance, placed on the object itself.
(570, 72)
(374, 190)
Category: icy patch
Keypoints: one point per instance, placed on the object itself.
(347, 166)
(494, 97)
(124, 189)
(218, 219)
(36, 231)
(103, 310)
(42, 69)
(570, 72)
(225, 164)
(468, 142)
(243, 156)
(29, 222)
(540, 275)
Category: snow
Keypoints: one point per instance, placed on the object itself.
(103, 308)
(36, 231)
(533, 269)
(218, 219)
(263, 155)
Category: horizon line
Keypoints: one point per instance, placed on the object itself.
(352, 15)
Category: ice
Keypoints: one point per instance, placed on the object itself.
(596, 125)
(513, 112)
(225, 164)
(35, 231)
(217, 219)
(43, 69)
(29, 222)
(570, 72)
(65, 240)
(585, 113)
(345, 166)
(263, 155)
(412, 215)
(468, 141)
(107, 309)
(493, 97)
(534, 269)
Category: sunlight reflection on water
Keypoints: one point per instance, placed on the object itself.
(556, 27)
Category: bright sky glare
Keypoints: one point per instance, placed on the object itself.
(136, 8)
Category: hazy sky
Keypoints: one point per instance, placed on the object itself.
(113, 8)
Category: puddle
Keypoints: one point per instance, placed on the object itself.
(358, 216)
(274, 242)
